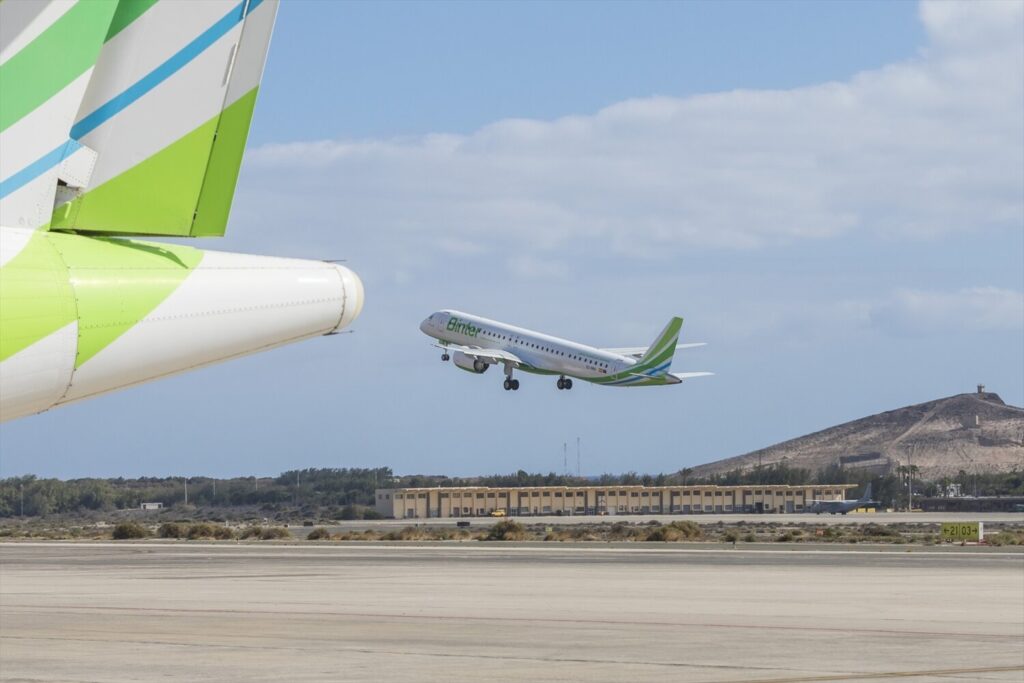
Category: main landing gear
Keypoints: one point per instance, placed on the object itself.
(445, 356)
(564, 383)
(511, 384)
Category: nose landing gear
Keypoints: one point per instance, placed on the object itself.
(564, 383)
(445, 356)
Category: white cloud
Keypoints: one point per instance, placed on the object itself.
(978, 309)
(923, 148)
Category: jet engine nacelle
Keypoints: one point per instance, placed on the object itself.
(468, 363)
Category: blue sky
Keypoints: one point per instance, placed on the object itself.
(831, 194)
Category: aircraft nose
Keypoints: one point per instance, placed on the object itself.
(425, 326)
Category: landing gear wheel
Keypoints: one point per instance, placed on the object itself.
(508, 384)
(568, 383)
(445, 356)
(515, 384)
(561, 383)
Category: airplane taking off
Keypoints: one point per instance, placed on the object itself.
(841, 507)
(127, 118)
(477, 343)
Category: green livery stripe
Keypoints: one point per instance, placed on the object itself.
(118, 282)
(127, 12)
(184, 190)
(59, 55)
(109, 285)
(35, 296)
(222, 170)
(667, 338)
(156, 196)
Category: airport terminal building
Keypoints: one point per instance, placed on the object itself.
(479, 501)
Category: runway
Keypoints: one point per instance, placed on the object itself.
(503, 612)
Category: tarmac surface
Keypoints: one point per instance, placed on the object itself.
(475, 611)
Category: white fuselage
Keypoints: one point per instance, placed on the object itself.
(542, 353)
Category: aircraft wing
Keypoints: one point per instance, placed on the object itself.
(639, 351)
(486, 355)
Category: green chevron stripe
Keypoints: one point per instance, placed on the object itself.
(35, 296)
(108, 284)
(127, 12)
(119, 282)
(183, 190)
(59, 55)
(222, 170)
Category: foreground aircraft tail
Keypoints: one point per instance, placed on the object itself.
(127, 116)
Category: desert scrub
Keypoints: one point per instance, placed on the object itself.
(1005, 538)
(273, 533)
(319, 534)
(506, 530)
(209, 530)
(409, 533)
(172, 530)
(676, 531)
(126, 530)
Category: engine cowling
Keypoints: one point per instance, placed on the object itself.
(469, 363)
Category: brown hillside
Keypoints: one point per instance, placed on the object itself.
(971, 432)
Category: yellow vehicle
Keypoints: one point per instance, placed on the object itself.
(500, 512)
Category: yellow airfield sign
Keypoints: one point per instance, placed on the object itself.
(963, 531)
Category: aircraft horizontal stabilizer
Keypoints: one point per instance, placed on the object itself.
(689, 375)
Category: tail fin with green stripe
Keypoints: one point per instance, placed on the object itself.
(658, 358)
(153, 113)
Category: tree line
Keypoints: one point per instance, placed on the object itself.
(351, 487)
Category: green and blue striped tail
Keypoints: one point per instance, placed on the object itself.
(652, 368)
(127, 117)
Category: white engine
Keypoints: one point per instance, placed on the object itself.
(468, 363)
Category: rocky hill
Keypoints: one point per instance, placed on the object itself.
(972, 432)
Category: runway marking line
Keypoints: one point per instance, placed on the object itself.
(506, 546)
(882, 674)
(533, 620)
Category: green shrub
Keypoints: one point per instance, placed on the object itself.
(680, 530)
(370, 513)
(209, 530)
(665, 534)
(172, 530)
(1004, 538)
(272, 533)
(506, 530)
(250, 532)
(731, 536)
(319, 534)
(750, 538)
(689, 530)
(126, 530)
(349, 512)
